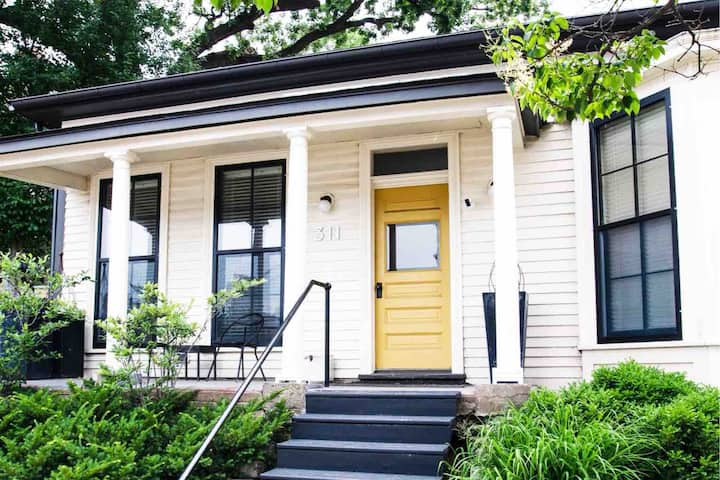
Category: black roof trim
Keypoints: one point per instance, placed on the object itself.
(318, 103)
(409, 56)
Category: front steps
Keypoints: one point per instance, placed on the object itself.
(413, 377)
(351, 434)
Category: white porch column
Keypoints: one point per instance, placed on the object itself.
(507, 315)
(295, 251)
(119, 243)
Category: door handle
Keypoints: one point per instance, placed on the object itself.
(378, 290)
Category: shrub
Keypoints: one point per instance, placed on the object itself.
(149, 341)
(100, 431)
(616, 426)
(635, 383)
(687, 430)
(146, 343)
(31, 311)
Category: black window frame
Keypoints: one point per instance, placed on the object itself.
(253, 250)
(98, 340)
(601, 255)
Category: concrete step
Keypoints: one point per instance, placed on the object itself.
(374, 428)
(300, 474)
(368, 457)
(383, 402)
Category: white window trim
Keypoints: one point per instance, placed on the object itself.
(209, 217)
(136, 169)
(368, 184)
(584, 231)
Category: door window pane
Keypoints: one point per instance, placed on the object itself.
(413, 246)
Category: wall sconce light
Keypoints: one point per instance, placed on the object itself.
(326, 203)
(490, 187)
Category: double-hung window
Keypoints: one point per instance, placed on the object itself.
(249, 244)
(143, 246)
(635, 225)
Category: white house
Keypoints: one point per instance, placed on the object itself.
(400, 173)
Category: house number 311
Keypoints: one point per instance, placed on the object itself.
(326, 233)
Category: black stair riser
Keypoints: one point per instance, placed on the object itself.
(291, 474)
(372, 432)
(360, 405)
(360, 461)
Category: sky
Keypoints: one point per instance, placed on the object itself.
(589, 7)
(569, 8)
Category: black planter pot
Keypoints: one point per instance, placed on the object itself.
(491, 328)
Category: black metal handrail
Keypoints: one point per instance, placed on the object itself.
(251, 376)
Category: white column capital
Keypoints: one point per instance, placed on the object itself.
(117, 156)
(298, 133)
(501, 116)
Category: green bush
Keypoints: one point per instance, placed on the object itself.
(31, 311)
(629, 422)
(635, 383)
(688, 431)
(101, 431)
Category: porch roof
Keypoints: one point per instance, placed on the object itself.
(371, 62)
(437, 89)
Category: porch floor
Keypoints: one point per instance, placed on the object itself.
(478, 400)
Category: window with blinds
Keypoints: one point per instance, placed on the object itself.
(144, 239)
(635, 226)
(249, 244)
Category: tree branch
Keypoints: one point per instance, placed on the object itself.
(225, 58)
(242, 22)
(342, 23)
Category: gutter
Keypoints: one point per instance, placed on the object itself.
(409, 56)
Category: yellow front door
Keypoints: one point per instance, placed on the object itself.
(412, 265)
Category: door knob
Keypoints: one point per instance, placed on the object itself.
(378, 290)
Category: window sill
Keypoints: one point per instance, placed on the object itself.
(648, 345)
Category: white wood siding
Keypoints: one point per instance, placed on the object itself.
(546, 243)
(189, 261)
(78, 242)
(694, 106)
(334, 168)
